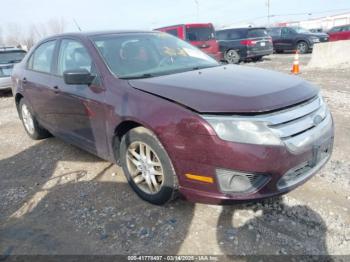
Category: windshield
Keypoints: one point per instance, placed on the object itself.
(200, 33)
(149, 54)
(10, 57)
(301, 30)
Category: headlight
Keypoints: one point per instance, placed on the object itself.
(243, 131)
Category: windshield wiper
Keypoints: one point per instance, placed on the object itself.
(148, 75)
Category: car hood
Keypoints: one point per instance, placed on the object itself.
(229, 89)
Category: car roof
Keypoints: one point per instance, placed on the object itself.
(85, 34)
(10, 48)
(240, 28)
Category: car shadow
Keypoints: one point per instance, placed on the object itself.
(77, 211)
(272, 228)
(46, 209)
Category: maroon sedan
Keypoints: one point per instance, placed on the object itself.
(175, 119)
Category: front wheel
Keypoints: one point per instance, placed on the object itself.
(31, 125)
(147, 166)
(232, 57)
(302, 47)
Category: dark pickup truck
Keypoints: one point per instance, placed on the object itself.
(295, 38)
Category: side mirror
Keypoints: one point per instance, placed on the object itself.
(78, 77)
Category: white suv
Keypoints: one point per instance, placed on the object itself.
(9, 56)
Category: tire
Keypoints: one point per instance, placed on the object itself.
(302, 47)
(232, 57)
(257, 58)
(139, 173)
(278, 51)
(30, 124)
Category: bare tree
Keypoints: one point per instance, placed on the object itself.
(15, 35)
(1, 37)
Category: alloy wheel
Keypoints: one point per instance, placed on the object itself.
(145, 167)
(27, 119)
(232, 57)
(302, 47)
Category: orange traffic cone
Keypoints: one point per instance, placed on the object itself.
(295, 68)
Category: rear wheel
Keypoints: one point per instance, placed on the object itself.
(31, 125)
(232, 57)
(147, 166)
(302, 47)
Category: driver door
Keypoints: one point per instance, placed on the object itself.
(80, 111)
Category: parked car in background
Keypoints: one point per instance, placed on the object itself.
(295, 38)
(9, 56)
(199, 35)
(240, 44)
(339, 33)
(175, 119)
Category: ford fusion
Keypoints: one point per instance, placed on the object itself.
(178, 122)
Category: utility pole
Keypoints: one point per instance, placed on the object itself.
(197, 6)
(268, 13)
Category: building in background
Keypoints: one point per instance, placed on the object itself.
(324, 23)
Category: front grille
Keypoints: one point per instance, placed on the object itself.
(297, 120)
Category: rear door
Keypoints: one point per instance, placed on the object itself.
(80, 111)
(37, 83)
(275, 33)
(203, 37)
(230, 39)
(288, 36)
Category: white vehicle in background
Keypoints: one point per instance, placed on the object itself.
(9, 56)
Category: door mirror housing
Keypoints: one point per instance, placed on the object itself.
(78, 77)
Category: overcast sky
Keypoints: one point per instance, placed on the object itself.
(147, 14)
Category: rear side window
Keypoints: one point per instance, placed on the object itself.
(232, 34)
(73, 56)
(274, 32)
(173, 32)
(257, 32)
(41, 59)
(200, 33)
(346, 28)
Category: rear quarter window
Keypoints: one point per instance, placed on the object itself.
(172, 32)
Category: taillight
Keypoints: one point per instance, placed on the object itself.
(248, 42)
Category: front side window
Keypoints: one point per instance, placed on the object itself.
(73, 56)
(41, 59)
(149, 54)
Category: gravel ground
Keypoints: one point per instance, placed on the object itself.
(58, 199)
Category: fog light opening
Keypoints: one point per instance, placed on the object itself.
(238, 182)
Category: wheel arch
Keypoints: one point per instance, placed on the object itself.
(119, 131)
(18, 98)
